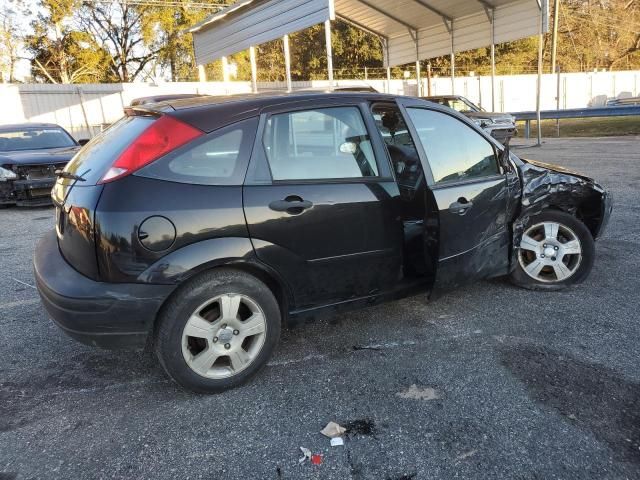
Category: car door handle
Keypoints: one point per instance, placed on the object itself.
(461, 206)
(293, 205)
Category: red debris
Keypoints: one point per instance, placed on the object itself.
(316, 459)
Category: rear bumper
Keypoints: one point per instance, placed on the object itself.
(108, 315)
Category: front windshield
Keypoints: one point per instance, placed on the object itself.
(34, 139)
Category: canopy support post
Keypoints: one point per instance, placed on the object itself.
(202, 74)
(385, 45)
(287, 62)
(414, 36)
(225, 70)
(327, 40)
(539, 82)
(254, 69)
(493, 60)
(452, 56)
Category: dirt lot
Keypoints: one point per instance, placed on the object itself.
(488, 382)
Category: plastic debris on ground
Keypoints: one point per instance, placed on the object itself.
(306, 455)
(316, 459)
(337, 441)
(333, 430)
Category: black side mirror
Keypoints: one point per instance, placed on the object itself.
(83, 141)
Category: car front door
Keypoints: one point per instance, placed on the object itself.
(320, 204)
(470, 192)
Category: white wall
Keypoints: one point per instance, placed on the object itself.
(103, 103)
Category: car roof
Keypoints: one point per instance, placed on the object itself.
(18, 126)
(253, 100)
(198, 110)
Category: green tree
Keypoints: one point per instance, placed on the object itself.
(61, 54)
(164, 31)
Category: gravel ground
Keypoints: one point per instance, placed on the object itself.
(489, 382)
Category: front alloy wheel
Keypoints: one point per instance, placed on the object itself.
(550, 252)
(556, 250)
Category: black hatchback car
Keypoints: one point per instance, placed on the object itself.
(203, 225)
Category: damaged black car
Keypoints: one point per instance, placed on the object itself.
(202, 226)
(30, 154)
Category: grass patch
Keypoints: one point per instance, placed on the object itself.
(586, 127)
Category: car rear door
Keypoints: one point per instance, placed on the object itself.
(320, 203)
(470, 191)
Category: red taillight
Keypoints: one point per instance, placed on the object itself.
(162, 136)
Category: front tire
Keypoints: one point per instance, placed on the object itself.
(217, 331)
(556, 251)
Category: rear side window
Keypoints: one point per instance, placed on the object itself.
(456, 152)
(219, 158)
(96, 157)
(328, 143)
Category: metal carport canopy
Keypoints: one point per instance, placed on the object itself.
(409, 29)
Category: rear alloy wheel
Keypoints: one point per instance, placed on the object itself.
(217, 331)
(556, 250)
(224, 335)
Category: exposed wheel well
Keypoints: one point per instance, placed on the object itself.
(588, 211)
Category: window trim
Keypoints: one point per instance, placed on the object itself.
(384, 171)
(447, 183)
(391, 103)
(251, 125)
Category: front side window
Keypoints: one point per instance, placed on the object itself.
(219, 158)
(456, 152)
(327, 143)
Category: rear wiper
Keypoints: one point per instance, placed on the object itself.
(69, 175)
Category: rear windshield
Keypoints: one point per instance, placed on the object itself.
(34, 139)
(96, 157)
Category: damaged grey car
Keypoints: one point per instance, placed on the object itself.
(30, 155)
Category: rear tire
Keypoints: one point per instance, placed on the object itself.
(217, 331)
(556, 251)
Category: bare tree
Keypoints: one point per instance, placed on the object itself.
(117, 26)
(10, 40)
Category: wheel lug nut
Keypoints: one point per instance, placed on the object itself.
(224, 325)
(542, 256)
(544, 246)
(555, 248)
(553, 258)
(236, 332)
(227, 346)
(215, 339)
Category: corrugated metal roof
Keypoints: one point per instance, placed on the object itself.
(434, 22)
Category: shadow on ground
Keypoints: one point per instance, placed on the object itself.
(590, 396)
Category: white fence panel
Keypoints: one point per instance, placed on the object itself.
(84, 109)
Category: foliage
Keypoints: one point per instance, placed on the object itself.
(61, 54)
(115, 40)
